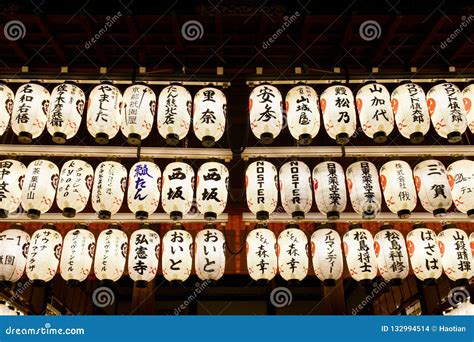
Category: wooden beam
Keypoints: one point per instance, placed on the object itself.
(386, 39)
(427, 41)
(143, 299)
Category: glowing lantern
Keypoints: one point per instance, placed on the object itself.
(433, 191)
(261, 181)
(364, 189)
(178, 189)
(174, 113)
(461, 182)
(39, 188)
(110, 180)
(292, 252)
(360, 254)
(468, 98)
(266, 117)
(12, 176)
(262, 263)
(456, 256)
(138, 113)
(398, 187)
(209, 115)
(177, 258)
(6, 106)
(295, 189)
(110, 254)
(327, 255)
(75, 185)
(330, 189)
(209, 256)
(65, 111)
(211, 194)
(14, 244)
(144, 183)
(77, 254)
(144, 256)
(471, 242)
(446, 108)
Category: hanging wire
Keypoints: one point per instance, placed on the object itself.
(246, 137)
(242, 244)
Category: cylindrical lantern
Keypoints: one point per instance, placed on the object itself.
(138, 112)
(295, 189)
(471, 243)
(327, 255)
(174, 113)
(209, 258)
(360, 254)
(103, 112)
(261, 180)
(432, 185)
(39, 188)
(144, 256)
(329, 185)
(468, 99)
(110, 180)
(12, 176)
(77, 254)
(302, 113)
(446, 108)
(339, 114)
(292, 252)
(14, 244)
(65, 111)
(211, 194)
(144, 186)
(30, 111)
(209, 115)
(177, 189)
(177, 257)
(398, 187)
(110, 254)
(262, 263)
(364, 189)
(75, 185)
(6, 106)
(456, 255)
(461, 182)
(266, 117)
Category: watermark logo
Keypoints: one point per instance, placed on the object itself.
(199, 287)
(192, 30)
(103, 296)
(464, 23)
(370, 30)
(377, 288)
(14, 30)
(457, 296)
(286, 24)
(110, 20)
(280, 297)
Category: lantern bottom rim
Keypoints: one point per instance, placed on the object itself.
(211, 216)
(208, 141)
(380, 137)
(39, 283)
(141, 215)
(6, 284)
(172, 139)
(329, 282)
(454, 137)
(263, 215)
(396, 282)
(293, 282)
(176, 215)
(366, 282)
(305, 139)
(134, 139)
(332, 215)
(297, 215)
(462, 282)
(59, 138)
(69, 212)
(105, 214)
(263, 282)
(404, 213)
(141, 284)
(342, 138)
(72, 283)
(266, 138)
(416, 137)
(106, 282)
(439, 212)
(25, 137)
(33, 213)
(430, 281)
(3, 213)
(470, 213)
(102, 138)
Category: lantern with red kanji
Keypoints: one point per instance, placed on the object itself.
(209, 115)
(144, 256)
(262, 260)
(266, 116)
(292, 252)
(329, 184)
(261, 181)
(12, 176)
(177, 256)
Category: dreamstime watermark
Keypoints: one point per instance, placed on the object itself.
(103, 296)
(14, 30)
(46, 330)
(280, 297)
(288, 21)
(192, 30)
(199, 288)
(110, 20)
(379, 287)
(370, 30)
(464, 23)
(458, 295)
(20, 289)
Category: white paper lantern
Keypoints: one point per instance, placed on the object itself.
(104, 112)
(39, 188)
(110, 255)
(461, 182)
(295, 188)
(392, 255)
(261, 180)
(65, 111)
(144, 186)
(471, 243)
(138, 113)
(110, 180)
(6, 106)
(302, 113)
(174, 113)
(266, 117)
(446, 108)
(177, 258)
(14, 244)
(77, 254)
(456, 255)
(327, 255)
(360, 254)
(262, 263)
(178, 189)
(209, 259)
(43, 255)
(339, 114)
(12, 176)
(209, 115)
(212, 189)
(292, 252)
(468, 99)
(398, 187)
(75, 185)
(432, 185)
(144, 256)
(329, 185)
(364, 189)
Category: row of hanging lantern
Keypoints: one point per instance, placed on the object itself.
(437, 188)
(36, 186)
(449, 110)
(33, 108)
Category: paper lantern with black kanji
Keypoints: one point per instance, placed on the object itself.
(456, 254)
(14, 244)
(295, 188)
(65, 111)
(75, 185)
(104, 112)
(138, 112)
(110, 180)
(392, 255)
(110, 254)
(43, 255)
(360, 254)
(209, 115)
(302, 113)
(209, 258)
(77, 254)
(178, 189)
(12, 176)
(177, 257)
(144, 256)
(39, 187)
(327, 255)
(144, 186)
(6, 106)
(468, 99)
(339, 114)
(292, 252)
(431, 182)
(329, 185)
(425, 256)
(398, 187)
(364, 189)
(261, 180)
(266, 117)
(174, 113)
(446, 108)
(461, 182)
(262, 260)
(212, 189)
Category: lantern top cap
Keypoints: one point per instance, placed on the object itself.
(72, 82)
(17, 225)
(49, 225)
(114, 226)
(292, 225)
(355, 225)
(210, 226)
(106, 82)
(386, 226)
(260, 225)
(449, 226)
(419, 225)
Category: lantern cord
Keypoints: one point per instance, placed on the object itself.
(241, 246)
(139, 150)
(245, 141)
